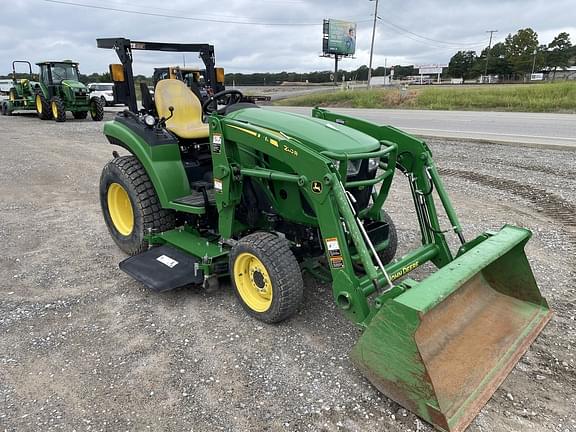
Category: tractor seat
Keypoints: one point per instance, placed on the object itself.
(187, 120)
(24, 82)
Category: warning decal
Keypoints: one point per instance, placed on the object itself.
(167, 261)
(333, 248)
(216, 143)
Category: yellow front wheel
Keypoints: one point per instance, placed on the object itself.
(253, 282)
(266, 276)
(58, 109)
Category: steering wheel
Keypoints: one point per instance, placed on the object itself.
(226, 97)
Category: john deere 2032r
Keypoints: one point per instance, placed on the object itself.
(258, 196)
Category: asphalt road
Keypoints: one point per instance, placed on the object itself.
(536, 129)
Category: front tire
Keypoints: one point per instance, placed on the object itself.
(266, 277)
(96, 109)
(42, 107)
(58, 109)
(130, 206)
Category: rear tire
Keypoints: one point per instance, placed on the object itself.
(103, 100)
(3, 108)
(266, 277)
(58, 109)
(80, 115)
(42, 107)
(388, 254)
(124, 178)
(96, 109)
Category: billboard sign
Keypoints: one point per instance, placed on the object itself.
(339, 37)
(430, 69)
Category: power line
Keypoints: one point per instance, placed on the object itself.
(188, 18)
(455, 44)
(198, 14)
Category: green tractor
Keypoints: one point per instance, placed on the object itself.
(61, 91)
(226, 189)
(22, 94)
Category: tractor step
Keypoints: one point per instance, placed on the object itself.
(198, 199)
(163, 268)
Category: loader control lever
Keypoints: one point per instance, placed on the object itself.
(162, 122)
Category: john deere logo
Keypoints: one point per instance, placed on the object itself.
(316, 187)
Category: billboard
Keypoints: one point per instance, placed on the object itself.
(430, 69)
(339, 37)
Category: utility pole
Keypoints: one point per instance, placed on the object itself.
(488, 52)
(534, 61)
(372, 44)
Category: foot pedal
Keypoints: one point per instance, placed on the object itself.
(163, 268)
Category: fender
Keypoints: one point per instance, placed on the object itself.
(43, 89)
(160, 159)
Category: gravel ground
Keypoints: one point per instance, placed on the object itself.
(84, 347)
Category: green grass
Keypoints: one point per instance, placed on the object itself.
(545, 97)
(358, 98)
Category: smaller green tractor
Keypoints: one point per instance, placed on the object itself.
(57, 90)
(22, 91)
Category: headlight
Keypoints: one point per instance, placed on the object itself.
(373, 163)
(353, 167)
(149, 120)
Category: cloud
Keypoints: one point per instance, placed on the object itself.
(418, 31)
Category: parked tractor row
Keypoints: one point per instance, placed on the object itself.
(56, 91)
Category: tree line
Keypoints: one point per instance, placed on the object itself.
(519, 55)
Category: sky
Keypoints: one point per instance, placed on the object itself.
(268, 35)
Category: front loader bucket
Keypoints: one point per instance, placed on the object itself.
(443, 347)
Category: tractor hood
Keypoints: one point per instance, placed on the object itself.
(73, 84)
(318, 134)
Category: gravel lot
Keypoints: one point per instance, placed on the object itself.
(84, 347)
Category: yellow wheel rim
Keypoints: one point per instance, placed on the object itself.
(38, 104)
(120, 209)
(54, 110)
(253, 282)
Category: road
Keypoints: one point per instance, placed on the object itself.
(533, 129)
